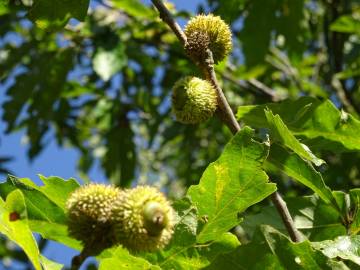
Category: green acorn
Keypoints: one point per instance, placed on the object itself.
(145, 219)
(89, 211)
(207, 32)
(193, 100)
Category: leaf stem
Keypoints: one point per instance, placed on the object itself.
(225, 113)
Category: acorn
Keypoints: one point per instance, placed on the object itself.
(207, 32)
(89, 212)
(144, 219)
(193, 100)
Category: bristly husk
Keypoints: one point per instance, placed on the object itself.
(193, 100)
(145, 219)
(207, 32)
(89, 212)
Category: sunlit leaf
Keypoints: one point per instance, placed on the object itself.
(344, 247)
(122, 259)
(134, 8)
(300, 170)
(231, 184)
(14, 225)
(281, 133)
(49, 264)
(45, 206)
(319, 122)
(346, 24)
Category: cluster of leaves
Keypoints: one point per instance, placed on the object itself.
(105, 92)
(230, 185)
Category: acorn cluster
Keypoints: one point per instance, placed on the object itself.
(100, 216)
(208, 32)
(194, 100)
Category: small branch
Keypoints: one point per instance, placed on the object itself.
(225, 112)
(280, 61)
(280, 205)
(253, 85)
(264, 89)
(345, 99)
(166, 16)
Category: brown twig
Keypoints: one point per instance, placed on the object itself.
(166, 16)
(253, 85)
(342, 95)
(225, 111)
(265, 89)
(281, 206)
(78, 260)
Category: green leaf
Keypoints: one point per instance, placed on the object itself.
(299, 170)
(122, 259)
(38, 205)
(346, 24)
(57, 189)
(134, 8)
(256, 34)
(50, 265)
(281, 133)
(351, 206)
(194, 256)
(186, 224)
(344, 247)
(312, 216)
(347, 73)
(3, 8)
(55, 14)
(273, 250)
(45, 205)
(45, 202)
(42, 75)
(296, 35)
(14, 225)
(55, 232)
(320, 123)
(231, 10)
(231, 184)
(106, 63)
(295, 255)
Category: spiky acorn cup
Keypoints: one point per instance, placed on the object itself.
(193, 100)
(207, 32)
(89, 210)
(145, 219)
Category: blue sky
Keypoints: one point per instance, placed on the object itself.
(54, 160)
